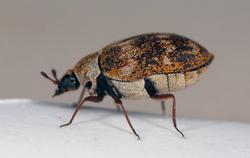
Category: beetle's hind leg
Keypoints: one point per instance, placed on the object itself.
(165, 97)
(163, 107)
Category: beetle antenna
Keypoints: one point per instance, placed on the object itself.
(55, 81)
(53, 71)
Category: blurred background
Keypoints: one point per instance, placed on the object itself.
(40, 35)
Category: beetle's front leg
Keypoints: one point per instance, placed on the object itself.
(165, 97)
(80, 98)
(94, 99)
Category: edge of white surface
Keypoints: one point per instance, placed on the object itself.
(15, 101)
(29, 128)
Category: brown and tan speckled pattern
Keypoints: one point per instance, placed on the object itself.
(148, 54)
(87, 69)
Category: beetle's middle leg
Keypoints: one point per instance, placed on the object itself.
(118, 102)
(165, 97)
(81, 97)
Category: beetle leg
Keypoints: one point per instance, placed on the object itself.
(119, 103)
(163, 109)
(94, 99)
(53, 71)
(118, 107)
(80, 98)
(164, 97)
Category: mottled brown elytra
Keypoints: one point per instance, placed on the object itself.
(144, 66)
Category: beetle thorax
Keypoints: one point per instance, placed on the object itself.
(87, 69)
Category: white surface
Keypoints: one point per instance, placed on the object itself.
(30, 129)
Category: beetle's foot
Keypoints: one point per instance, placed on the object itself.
(137, 135)
(180, 132)
(65, 124)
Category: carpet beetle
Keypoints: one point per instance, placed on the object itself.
(144, 66)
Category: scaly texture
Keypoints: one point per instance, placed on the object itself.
(144, 55)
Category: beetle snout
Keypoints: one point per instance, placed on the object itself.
(58, 91)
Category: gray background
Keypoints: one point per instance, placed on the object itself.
(40, 35)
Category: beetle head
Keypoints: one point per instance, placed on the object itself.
(68, 82)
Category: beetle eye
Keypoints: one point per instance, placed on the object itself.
(73, 81)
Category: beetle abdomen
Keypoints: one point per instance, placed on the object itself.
(131, 90)
(176, 81)
(158, 84)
